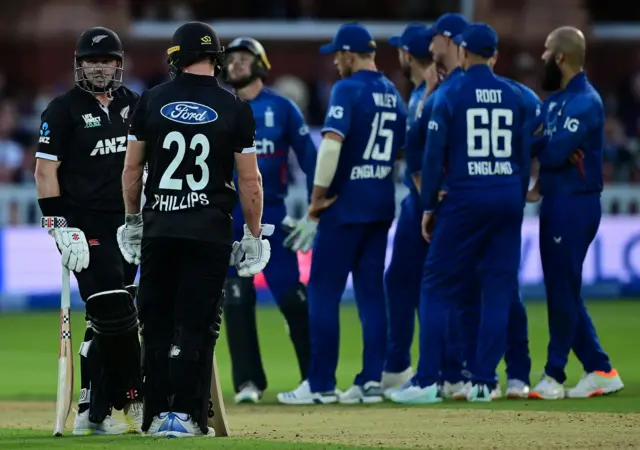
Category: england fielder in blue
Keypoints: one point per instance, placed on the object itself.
(402, 277)
(570, 184)
(354, 200)
(517, 357)
(478, 148)
(279, 127)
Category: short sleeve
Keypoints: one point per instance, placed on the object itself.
(245, 138)
(55, 131)
(137, 128)
(338, 118)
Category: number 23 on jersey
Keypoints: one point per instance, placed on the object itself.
(199, 143)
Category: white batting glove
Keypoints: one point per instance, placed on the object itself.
(129, 238)
(73, 245)
(257, 251)
(236, 254)
(302, 236)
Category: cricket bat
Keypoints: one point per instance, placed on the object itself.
(64, 394)
(219, 419)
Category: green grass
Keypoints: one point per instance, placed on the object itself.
(28, 353)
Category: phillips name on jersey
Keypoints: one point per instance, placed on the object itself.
(192, 127)
(90, 141)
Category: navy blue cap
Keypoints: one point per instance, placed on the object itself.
(351, 37)
(418, 45)
(480, 39)
(407, 34)
(450, 24)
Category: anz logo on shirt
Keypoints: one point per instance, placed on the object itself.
(189, 113)
(44, 134)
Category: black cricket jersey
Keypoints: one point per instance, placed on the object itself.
(192, 129)
(90, 141)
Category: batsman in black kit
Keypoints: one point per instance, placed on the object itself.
(189, 132)
(80, 157)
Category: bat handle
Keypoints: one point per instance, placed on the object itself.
(65, 298)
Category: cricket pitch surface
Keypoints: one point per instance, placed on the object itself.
(385, 427)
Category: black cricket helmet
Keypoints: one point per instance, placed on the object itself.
(260, 67)
(191, 43)
(95, 47)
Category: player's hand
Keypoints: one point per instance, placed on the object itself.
(257, 251)
(236, 254)
(73, 246)
(288, 224)
(533, 196)
(441, 195)
(318, 205)
(129, 238)
(576, 157)
(301, 237)
(428, 222)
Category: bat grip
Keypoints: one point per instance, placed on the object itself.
(65, 298)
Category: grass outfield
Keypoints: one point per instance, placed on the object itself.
(28, 352)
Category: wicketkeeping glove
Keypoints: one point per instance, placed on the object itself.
(301, 238)
(257, 251)
(129, 238)
(73, 246)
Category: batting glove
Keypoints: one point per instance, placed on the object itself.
(73, 246)
(302, 236)
(129, 238)
(236, 254)
(257, 251)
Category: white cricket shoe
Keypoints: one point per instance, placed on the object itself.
(595, 384)
(82, 426)
(249, 393)
(481, 393)
(547, 389)
(517, 389)
(176, 425)
(133, 416)
(302, 395)
(370, 392)
(450, 389)
(390, 391)
(466, 389)
(395, 379)
(415, 395)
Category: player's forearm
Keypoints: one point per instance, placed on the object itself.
(47, 183)
(327, 163)
(132, 188)
(417, 180)
(251, 201)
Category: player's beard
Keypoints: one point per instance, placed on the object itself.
(552, 78)
(241, 82)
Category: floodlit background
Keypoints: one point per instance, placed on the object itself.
(37, 39)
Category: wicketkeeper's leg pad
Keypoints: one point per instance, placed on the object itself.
(114, 320)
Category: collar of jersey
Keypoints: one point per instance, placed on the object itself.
(197, 79)
(577, 83)
(367, 73)
(478, 69)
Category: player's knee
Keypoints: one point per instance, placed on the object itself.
(112, 312)
(239, 292)
(294, 298)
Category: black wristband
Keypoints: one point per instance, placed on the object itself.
(52, 206)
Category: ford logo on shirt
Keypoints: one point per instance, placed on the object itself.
(189, 113)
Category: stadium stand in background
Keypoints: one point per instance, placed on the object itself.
(37, 39)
